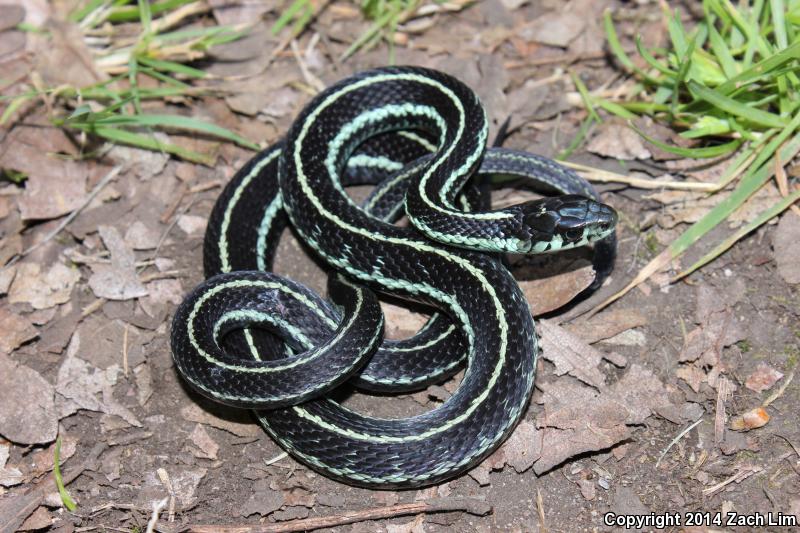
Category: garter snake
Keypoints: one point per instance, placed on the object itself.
(249, 338)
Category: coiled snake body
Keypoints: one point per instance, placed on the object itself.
(249, 338)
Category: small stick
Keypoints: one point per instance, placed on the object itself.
(468, 505)
(676, 439)
(125, 349)
(69, 218)
(604, 176)
(780, 391)
(738, 477)
(540, 510)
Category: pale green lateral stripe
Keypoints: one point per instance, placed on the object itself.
(263, 230)
(268, 286)
(499, 312)
(226, 218)
(251, 345)
(253, 315)
(419, 140)
(377, 114)
(374, 161)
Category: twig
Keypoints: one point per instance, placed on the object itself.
(604, 176)
(164, 477)
(738, 477)
(468, 505)
(677, 438)
(778, 393)
(310, 78)
(157, 508)
(275, 459)
(720, 417)
(69, 218)
(540, 510)
(125, 349)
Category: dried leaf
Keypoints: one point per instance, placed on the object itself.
(692, 375)
(204, 446)
(762, 378)
(576, 419)
(42, 290)
(192, 224)
(119, 280)
(550, 293)
(263, 500)
(607, 324)
(28, 411)
(557, 28)
(83, 386)
(523, 447)
(40, 519)
(14, 331)
(618, 141)
(570, 354)
(140, 237)
(9, 476)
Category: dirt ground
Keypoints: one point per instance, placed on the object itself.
(85, 317)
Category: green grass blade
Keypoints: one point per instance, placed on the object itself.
(587, 100)
(652, 61)
(176, 122)
(62, 491)
(778, 12)
(704, 152)
(132, 14)
(615, 109)
(117, 135)
(145, 16)
(171, 66)
(294, 9)
(619, 52)
(758, 174)
(81, 13)
(685, 64)
(722, 52)
(373, 31)
(761, 69)
(13, 106)
(762, 218)
(677, 34)
(729, 105)
(586, 124)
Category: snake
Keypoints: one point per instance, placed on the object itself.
(249, 338)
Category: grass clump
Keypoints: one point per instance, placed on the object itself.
(731, 87)
(386, 16)
(159, 54)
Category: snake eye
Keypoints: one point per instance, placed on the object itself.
(573, 234)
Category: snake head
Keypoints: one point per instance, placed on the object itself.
(563, 222)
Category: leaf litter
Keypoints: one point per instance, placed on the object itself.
(627, 400)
